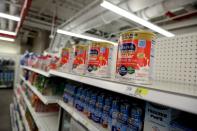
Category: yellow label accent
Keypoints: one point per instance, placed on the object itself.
(141, 91)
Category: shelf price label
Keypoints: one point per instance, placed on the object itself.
(141, 91)
(129, 90)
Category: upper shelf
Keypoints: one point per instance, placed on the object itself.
(175, 95)
(178, 96)
(44, 73)
(43, 98)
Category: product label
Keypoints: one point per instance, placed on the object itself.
(158, 114)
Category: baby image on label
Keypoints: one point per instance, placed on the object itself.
(133, 58)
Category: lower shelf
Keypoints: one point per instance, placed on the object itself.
(5, 86)
(22, 113)
(13, 119)
(44, 121)
(43, 98)
(92, 126)
(175, 95)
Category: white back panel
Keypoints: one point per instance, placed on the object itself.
(176, 59)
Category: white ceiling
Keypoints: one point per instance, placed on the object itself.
(65, 8)
(41, 12)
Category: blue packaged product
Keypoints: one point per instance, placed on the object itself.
(106, 110)
(123, 117)
(11, 75)
(24, 57)
(113, 115)
(135, 120)
(92, 104)
(65, 97)
(87, 102)
(8, 75)
(73, 91)
(4, 75)
(70, 91)
(1, 75)
(82, 98)
(176, 126)
(76, 98)
(97, 114)
(66, 88)
(78, 104)
(83, 94)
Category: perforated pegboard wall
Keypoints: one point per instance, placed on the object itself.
(176, 59)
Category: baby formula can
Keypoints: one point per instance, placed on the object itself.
(100, 59)
(80, 59)
(135, 57)
(66, 59)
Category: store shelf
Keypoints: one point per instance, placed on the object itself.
(22, 113)
(44, 121)
(13, 118)
(178, 96)
(44, 99)
(79, 116)
(44, 73)
(5, 86)
(19, 121)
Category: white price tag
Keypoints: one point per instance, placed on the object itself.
(129, 90)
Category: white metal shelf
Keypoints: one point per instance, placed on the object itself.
(44, 99)
(92, 126)
(44, 121)
(44, 73)
(13, 118)
(22, 112)
(178, 96)
(5, 86)
(19, 121)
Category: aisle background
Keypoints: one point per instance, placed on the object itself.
(5, 100)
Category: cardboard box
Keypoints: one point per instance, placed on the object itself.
(158, 118)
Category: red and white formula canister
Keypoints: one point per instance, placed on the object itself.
(135, 57)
